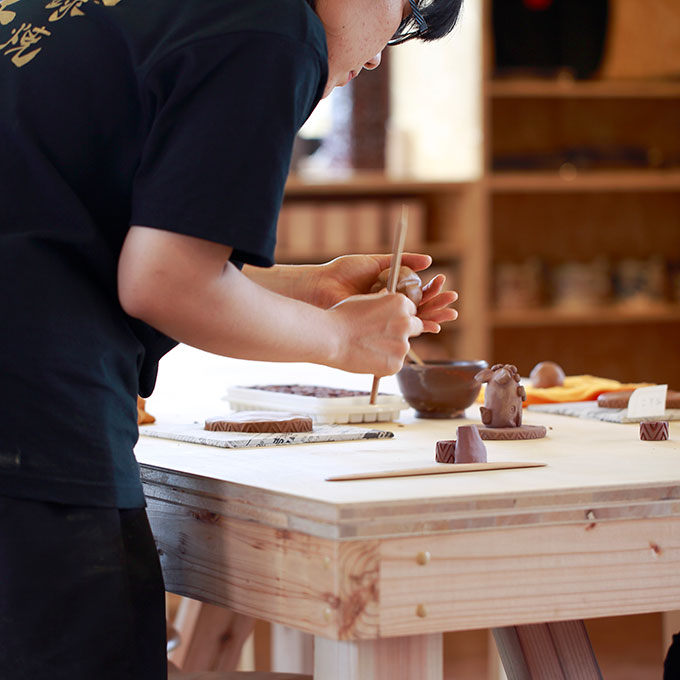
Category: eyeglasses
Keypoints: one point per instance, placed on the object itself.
(403, 33)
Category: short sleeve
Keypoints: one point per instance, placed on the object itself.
(223, 115)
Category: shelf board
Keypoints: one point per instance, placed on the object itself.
(606, 315)
(438, 251)
(535, 88)
(609, 180)
(367, 184)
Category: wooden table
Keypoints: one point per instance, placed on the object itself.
(378, 569)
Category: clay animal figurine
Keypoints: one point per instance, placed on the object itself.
(503, 396)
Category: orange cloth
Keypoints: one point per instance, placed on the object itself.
(575, 388)
(143, 418)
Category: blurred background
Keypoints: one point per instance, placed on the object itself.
(538, 150)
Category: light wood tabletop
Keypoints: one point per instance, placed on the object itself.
(377, 569)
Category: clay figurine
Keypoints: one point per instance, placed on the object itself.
(503, 396)
(467, 448)
(502, 410)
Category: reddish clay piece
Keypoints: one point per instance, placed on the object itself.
(654, 431)
(547, 374)
(508, 433)
(470, 447)
(467, 448)
(260, 421)
(503, 396)
(620, 399)
(445, 451)
(408, 283)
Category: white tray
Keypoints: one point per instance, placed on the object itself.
(322, 410)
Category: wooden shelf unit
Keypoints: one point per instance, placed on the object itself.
(576, 170)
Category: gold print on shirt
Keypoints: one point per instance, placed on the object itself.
(64, 7)
(21, 40)
(6, 15)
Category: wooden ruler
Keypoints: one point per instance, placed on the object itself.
(442, 468)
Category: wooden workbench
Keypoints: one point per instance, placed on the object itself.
(378, 569)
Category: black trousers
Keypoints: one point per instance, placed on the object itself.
(81, 594)
(671, 667)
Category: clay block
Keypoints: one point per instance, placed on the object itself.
(656, 431)
(260, 421)
(446, 451)
(510, 433)
(619, 399)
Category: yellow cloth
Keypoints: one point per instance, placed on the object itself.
(575, 388)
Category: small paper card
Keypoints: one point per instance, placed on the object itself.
(647, 402)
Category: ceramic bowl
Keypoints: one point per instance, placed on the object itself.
(440, 389)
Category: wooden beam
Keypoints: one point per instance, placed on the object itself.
(547, 651)
(211, 638)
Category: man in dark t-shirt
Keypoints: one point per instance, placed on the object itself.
(144, 147)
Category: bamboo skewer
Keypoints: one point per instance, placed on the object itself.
(415, 358)
(393, 279)
(442, 468)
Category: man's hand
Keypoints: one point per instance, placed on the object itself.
(329, 284)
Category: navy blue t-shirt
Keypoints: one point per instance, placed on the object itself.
(173, 114)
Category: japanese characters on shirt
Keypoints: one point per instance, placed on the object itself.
(26, 38)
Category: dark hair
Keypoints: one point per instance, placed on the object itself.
(441, 16)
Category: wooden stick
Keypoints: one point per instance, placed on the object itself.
(415, 358)
(393, 279)
(442, 468)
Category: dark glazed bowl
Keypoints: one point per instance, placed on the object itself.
(440, 389)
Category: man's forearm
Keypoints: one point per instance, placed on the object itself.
(293, 281)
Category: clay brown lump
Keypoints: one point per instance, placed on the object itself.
(547, 374)
(503, 396)
(260, 421)
(409, 284)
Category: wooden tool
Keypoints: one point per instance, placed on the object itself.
(440, 469)
(415, 358)
(395, 264)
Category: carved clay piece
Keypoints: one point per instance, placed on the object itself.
(507, 433)
(467, 448)
(654, 431)
(445, 451)
(260, 421)
(503, 396)
(408, 283)
(547, 374)
(620, 399)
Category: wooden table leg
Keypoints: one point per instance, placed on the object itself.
(401, 658)
(292, 651)
(211, 637)
(547, 651)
